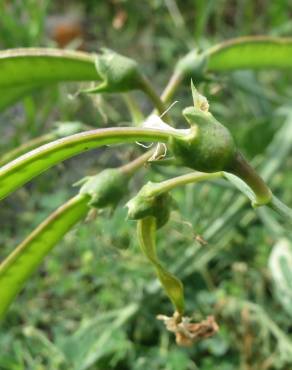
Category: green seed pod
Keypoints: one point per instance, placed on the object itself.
(146, 204)
(118, 73)
(105, 189)
(209, 147)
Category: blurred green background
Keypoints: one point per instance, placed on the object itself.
(93, 303)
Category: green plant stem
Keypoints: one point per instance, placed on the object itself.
(31, 164)
(134, 110)
(155, 98)
(189, 178)
(241, 168)
(25, 147)
(172, 86)
(131, 167)
(281, 209)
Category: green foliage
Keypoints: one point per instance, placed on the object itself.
(173, 287)
(94, 301)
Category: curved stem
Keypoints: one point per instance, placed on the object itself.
(25, 147)
(134, 110)
(241, 168)
(281, 209)
(155, 98)
(137, 163)
(172, 86)
(31, 164)
(189, 178)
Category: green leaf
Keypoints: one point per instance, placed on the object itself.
(24, 70)
(44, 66)
(173, 287)
(23, 261)
(252, 52)
(257, 52)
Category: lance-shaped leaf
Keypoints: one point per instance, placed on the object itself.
(146, 228)
(256, 52)
(24, 70)
(23, 261)
(252, 52)
(44, 66)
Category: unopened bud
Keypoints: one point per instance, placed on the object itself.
(118, 73)
(105, 189)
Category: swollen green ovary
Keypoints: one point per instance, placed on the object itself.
(212, 149)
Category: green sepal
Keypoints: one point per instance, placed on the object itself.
(146, 229)
(118, 73)
(209, 147)
(105, 189)
(146, 203)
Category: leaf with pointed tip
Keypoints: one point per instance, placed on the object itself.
(173, 286)
(24, 70)
(252, 52)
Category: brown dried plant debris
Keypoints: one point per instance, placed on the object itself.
(186, 332)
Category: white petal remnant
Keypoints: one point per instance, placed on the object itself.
(186, 332)
(155, 122)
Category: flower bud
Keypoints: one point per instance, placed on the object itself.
(118, 73)
(145, 204)
(106, 188)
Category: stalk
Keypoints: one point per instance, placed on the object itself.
(241, 168)
(25, 147)
(189, 178)
(172, 86)
(284, 211)
(155, 98)
(21, 170)
(131, 167)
